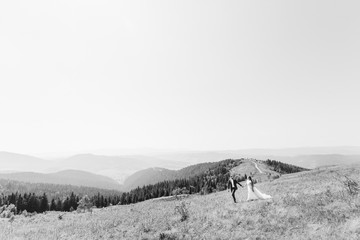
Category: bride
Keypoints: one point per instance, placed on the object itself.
(253, 192)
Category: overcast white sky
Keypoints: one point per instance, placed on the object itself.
(205, 75)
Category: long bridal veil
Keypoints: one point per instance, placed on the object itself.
(256, 194)
(260, 194)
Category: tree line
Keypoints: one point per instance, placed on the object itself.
(55, 191)
(32, 202)
(284, 168)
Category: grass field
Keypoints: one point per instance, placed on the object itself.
(307, 205)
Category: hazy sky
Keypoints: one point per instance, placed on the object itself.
(81, 75)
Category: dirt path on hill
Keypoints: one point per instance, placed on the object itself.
(257, 167)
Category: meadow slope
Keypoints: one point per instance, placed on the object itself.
(307, 205)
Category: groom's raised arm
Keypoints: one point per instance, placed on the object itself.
(239, 184)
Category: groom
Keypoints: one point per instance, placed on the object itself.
(232, 185)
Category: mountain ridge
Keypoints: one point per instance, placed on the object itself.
(122, 167)
(241, 167)
(66, 177)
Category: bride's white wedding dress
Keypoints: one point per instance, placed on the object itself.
(256, 194)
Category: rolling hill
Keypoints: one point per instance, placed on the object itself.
(148, 176)
(53, 191)
(71, 177)
(116, 167)
(155, 175)
(318, 160)
(20, 162)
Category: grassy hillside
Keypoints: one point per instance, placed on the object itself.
(262, 173)
(314, 204)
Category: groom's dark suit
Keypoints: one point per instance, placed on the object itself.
(233, 187)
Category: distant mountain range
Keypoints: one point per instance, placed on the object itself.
(308, 157)
(67, 177)
(342, 150)
(318, 160)
(115, 167)
(10, 162)
(165, 165)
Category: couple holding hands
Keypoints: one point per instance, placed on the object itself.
(253, 192)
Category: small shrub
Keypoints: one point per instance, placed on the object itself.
(12, 208)
(2, 208)
(31, 214)
(349, 185)
(179, 191)
(8, 211)
(6, 214)
(275, 177)
(145, 228)
(352, 187)
(24, 213)
(166, 236)
(27, 214)
(350, 190)
(183, 211)
(12, 218)
(176, 192)
(85, 204)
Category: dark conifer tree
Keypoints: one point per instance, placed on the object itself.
(73, 203)
(66, 205)
(44, 204)
(59, 206)
(19, 203)
(53, 205)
